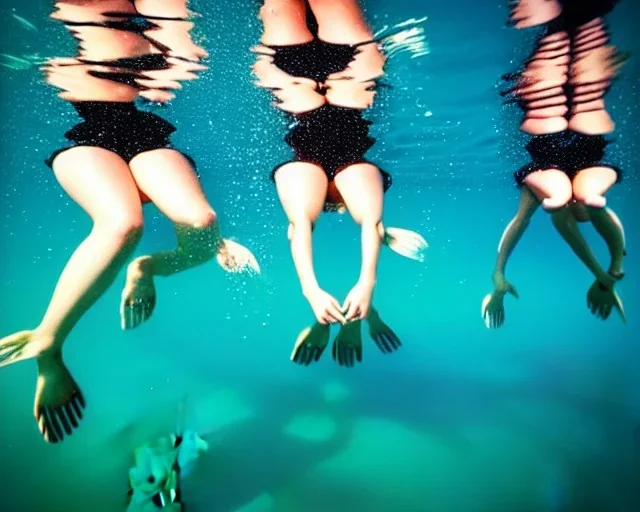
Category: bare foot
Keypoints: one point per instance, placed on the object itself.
(21, 346)
(406, 243)
(59, 402)
(235, 258)
(311, 344)
(138, 296)
(347, 346)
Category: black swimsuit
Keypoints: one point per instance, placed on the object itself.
(118, 127)
(567, 151)
(331, 136)
(121, 127)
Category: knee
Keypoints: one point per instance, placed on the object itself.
(123, 227)
(200, 220)
(589, 199)
(556, 201)
(367, 219)
(299, 225)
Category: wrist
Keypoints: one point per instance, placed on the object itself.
(309, 289)
(367, 281)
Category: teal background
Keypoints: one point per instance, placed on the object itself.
(541, 415)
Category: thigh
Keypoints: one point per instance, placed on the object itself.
(284, 22)
(362, 189)
(168, 179)
(99, 181)
(594, 181)
(302, 189)
(341, 22)
(549, 183)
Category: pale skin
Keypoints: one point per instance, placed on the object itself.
(302, 187)
(110, 191)
(568, 201)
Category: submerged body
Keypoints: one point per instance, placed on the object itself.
(321, 63)
(561, 91)
(119, 159)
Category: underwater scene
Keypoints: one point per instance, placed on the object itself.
(320, 255)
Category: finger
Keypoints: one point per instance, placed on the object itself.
(393, 338)
(351, 357)
(346, 355)
(378, 343)
(347, 304)
(334, 351)
(45, 428)
(295, 354)
(334, 311)
(620, 307)
(382, 343)
(343, 352)
(77, 395)
(310, 356)
(353, 311)
(359, 352)
(55, 432)
(390, 342)
(77, 408)
(62, 418)
(71, 415)
(323, 319)
(304, 356)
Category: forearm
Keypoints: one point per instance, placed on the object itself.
(514, 230)
(302, 253)
(566, 224)
(371, 244)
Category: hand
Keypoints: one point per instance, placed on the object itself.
(601, 300)
(493, 304)
(325, 308)
(347, 346)
(358, 301)
(381, 333)
(310, 344)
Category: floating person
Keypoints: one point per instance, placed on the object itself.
(321, 62)
(347, 345)
(119, 159)
(561, 89)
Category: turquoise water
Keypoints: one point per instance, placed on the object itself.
(537, 416)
